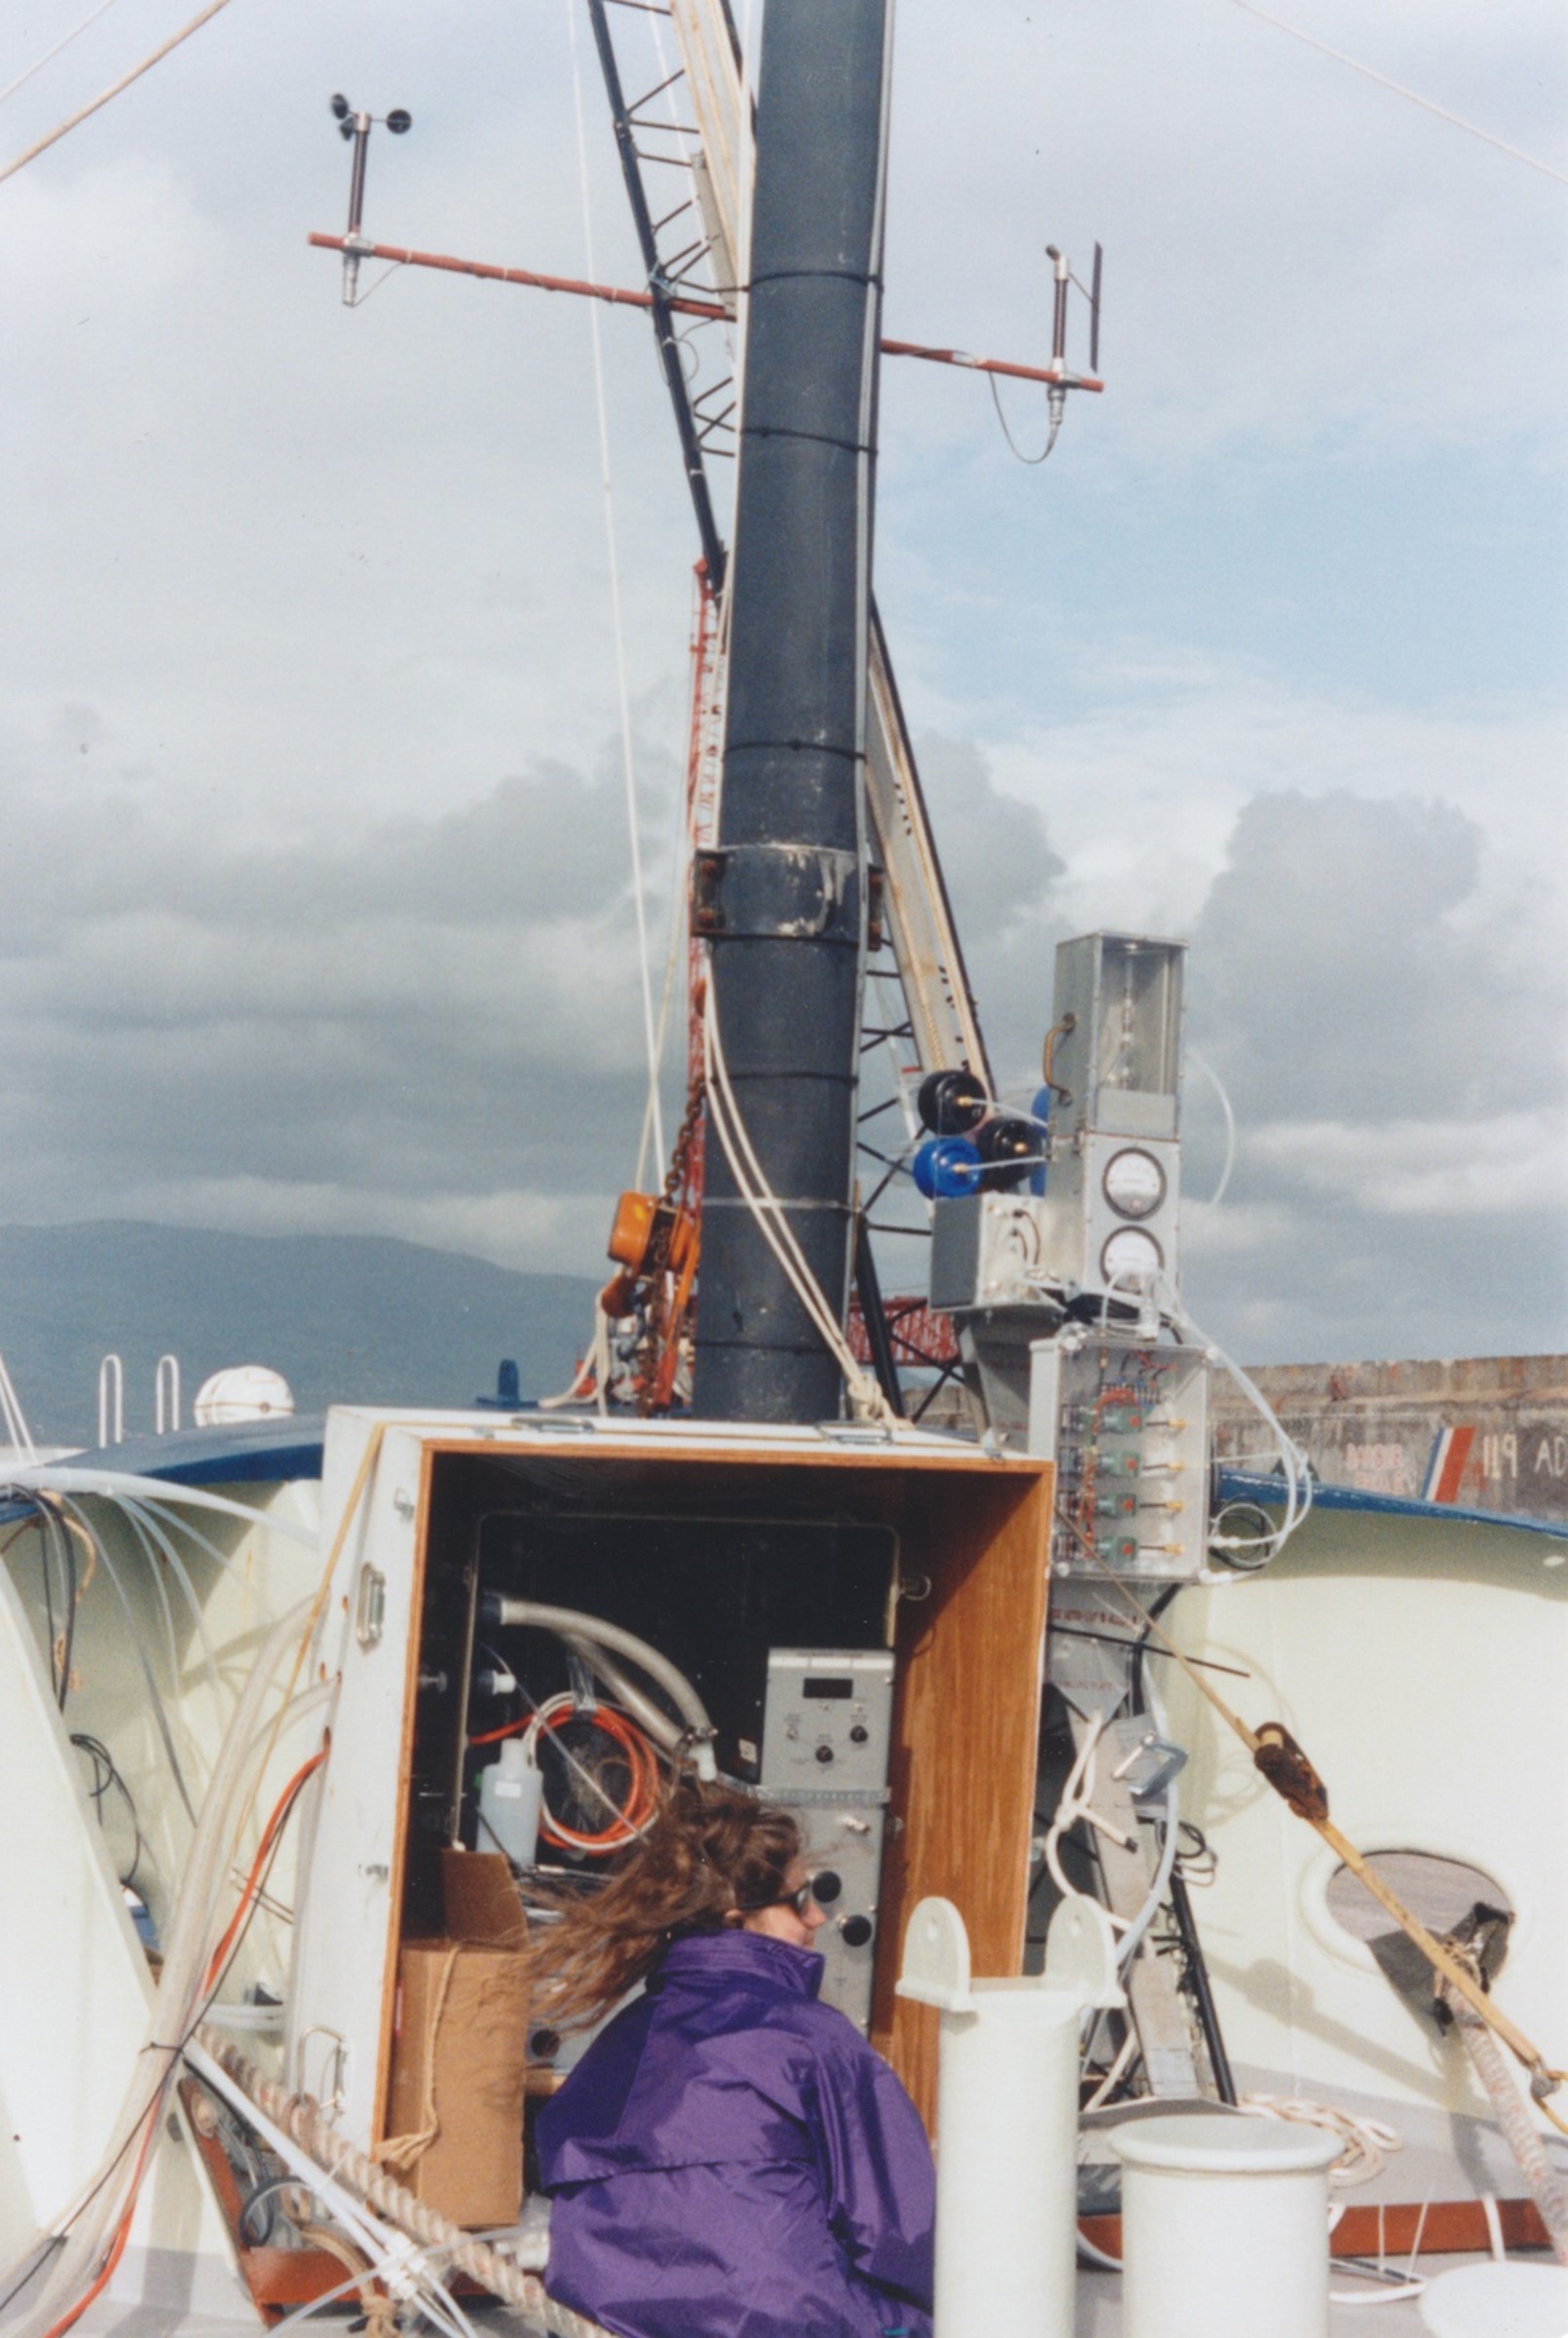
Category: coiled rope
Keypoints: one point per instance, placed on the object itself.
(304, 2122)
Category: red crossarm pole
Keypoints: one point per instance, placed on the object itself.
(618, 297)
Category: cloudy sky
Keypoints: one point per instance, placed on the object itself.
(316, 906)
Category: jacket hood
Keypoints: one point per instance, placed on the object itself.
(720, 1959)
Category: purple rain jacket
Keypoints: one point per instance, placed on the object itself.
(732, 2160)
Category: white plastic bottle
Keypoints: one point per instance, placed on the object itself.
(510, 1793)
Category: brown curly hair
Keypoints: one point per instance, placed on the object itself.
(708, 1851)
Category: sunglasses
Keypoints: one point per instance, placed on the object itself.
(799, 1900)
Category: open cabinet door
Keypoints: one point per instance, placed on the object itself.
(970, 1668)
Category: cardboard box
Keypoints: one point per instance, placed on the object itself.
(459, 2041)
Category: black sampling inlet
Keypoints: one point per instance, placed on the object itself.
(782, 896)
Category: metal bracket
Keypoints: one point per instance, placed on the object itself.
(776, 892)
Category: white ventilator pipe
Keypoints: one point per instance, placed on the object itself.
(1007, 2120)
(1224, 2227)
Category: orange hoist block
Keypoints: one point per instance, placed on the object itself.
(652, 1236)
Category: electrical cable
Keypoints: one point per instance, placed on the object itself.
(629, 1820)
(97, 1753)
(160, 1709)
(1217, 1084)
(1292, 1461)
(270, 1833)
(82, 114)
(1053, 434)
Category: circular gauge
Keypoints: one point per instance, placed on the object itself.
(1134, 1183)
(1128, 1251)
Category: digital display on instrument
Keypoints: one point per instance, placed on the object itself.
(818, 1687)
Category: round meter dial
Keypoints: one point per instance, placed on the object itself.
(1130, 1250)
(1134, 1183)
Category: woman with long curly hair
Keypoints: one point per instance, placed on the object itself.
(729, 2159)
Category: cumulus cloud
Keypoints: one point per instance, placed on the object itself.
(1397, 1073)
(1433, 1168)
(290, 589)
(433, 1031)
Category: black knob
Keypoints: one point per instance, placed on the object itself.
(825, 1887)
(856, 1931)
(952, 1103)
(1010, 1148)
(824, 1753)
(859, 1734)
(543, 2045)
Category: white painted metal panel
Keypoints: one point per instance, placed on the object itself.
(345, 1936)
(1421, 1667)
(74, 1985)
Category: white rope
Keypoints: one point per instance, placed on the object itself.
(345, 2169)
(42, 145)
(654, 1117)
(1523, 2138)
(1399, 91)
(1366, 2143)
(592, 1374)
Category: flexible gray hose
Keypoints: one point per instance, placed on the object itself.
(571, 1624)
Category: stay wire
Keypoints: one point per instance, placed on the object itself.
(618, 628)
(1456, 121)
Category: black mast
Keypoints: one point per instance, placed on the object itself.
(783, 895)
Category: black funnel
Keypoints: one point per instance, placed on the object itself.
(783, 895)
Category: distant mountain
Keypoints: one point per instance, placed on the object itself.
(342, 1317)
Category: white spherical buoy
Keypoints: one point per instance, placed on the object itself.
(242, 1392)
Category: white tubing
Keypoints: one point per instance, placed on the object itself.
(186, 1948)
(644, 1712)
(58, 1477)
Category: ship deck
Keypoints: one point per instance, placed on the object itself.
(1099, 2315)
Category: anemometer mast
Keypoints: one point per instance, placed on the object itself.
(356, 128)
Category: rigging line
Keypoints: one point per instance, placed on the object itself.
(1399, 91)
(72, 121)
(49, 54)
(656, 1118)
